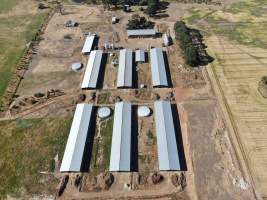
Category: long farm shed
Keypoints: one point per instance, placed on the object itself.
(166, 139)
(120, 157)
(158, 68)
(92, 70)
(88, 44)
(125, 71)
(74, 150)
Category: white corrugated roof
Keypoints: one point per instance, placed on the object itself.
(120, 157)
(141, 32)
(139, 56)
(166, 140)
(92, 69)
(88, 44)
(158, 68)
(124, 78)
(73, 155)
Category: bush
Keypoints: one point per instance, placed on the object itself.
(143, 3)
(264, 80)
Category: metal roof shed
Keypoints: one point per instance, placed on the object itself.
(158, 68)
(140, 56)
(73, 155)
(88, 44)
(120, 157)
(141, 32)
(166, 40)
(92, 69)
(166, 140)
(125, 71)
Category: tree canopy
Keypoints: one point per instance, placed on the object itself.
(190, 52)
(137, 22)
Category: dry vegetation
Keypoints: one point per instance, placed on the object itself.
(236, 37)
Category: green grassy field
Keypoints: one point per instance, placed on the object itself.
(243, 22)
(27, 147)
(16, 31)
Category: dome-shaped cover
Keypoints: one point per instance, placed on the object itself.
(76, 66)
(104, 112)
(143, 111)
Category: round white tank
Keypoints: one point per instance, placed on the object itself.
(76, 66)
(104, 112)
(143, 111)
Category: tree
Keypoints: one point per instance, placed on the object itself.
(151, 9)
(191, 55)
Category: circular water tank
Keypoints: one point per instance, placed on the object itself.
(76, 66)
(143, 111)
(104, 112)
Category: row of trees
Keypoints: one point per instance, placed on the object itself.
(190, 52)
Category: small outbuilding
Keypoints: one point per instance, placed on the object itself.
(127, 8)
(71, 23)
(140, 56)
(114, 19)
(166, 40)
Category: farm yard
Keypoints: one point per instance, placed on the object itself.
(50, 93)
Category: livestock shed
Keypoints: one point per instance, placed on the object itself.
(92, 70)
(88, 44)
(141, 33)
(140, 56)
(166, 139)
(158, 68)
(125, 71)
(80, 128)
(120, 157)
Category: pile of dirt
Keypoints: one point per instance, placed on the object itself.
(96, 183)
(21, 102)
(263, 88)
(155, 96)
(114, 99)
(170, 96)
(62, 185)
(156, 178)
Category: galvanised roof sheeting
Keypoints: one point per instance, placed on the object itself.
(73, 155)
(92, 69)
(120, 157)
(166, 140)
(125, 70)
(158, 68)
(141, 32)
(139, 56)
(88, 44)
